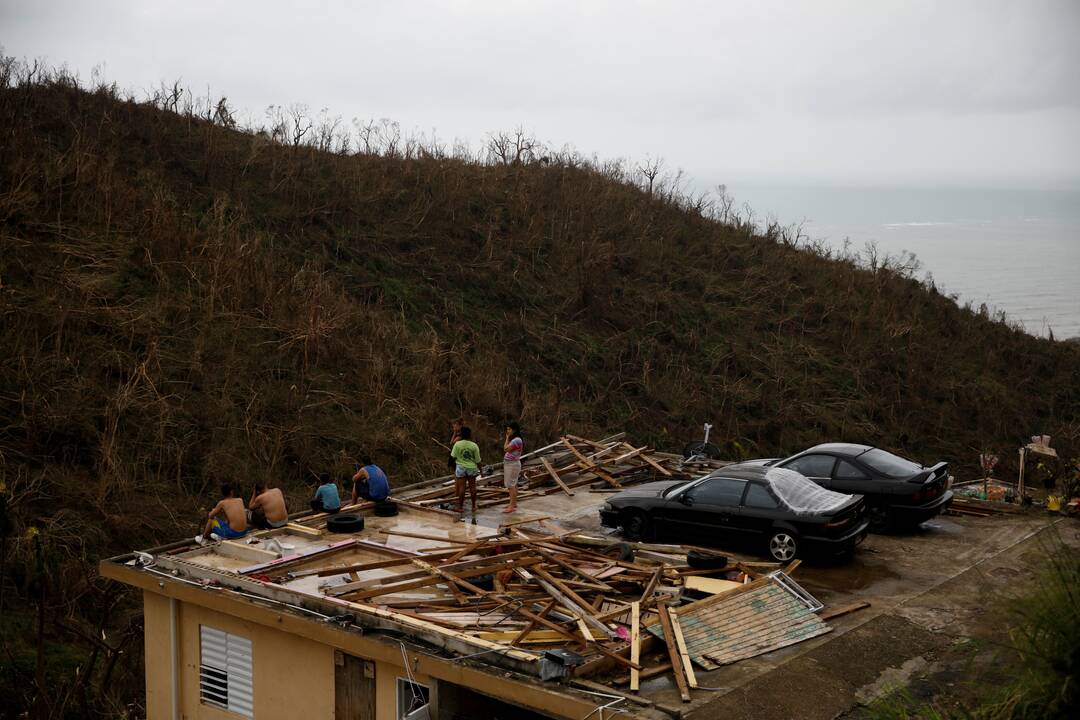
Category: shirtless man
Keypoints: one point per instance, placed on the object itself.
(228, 519)
(267, 507)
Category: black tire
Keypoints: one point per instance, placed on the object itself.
(620, 551)
(783, 545)
(635, 524)
(345, 523)
(701, 448)
(385, 508)
(705, 561)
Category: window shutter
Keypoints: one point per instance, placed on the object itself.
(225, 671)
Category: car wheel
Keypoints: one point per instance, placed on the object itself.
(701, 448)
(783, 546)
(635, 524)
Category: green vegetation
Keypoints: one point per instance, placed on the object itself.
(182, 302)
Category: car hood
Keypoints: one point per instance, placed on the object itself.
(652, 489)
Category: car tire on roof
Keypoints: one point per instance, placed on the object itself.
(345, 523)
(783, 545)
(385, 508)
(705, 561)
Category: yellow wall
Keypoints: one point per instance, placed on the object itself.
(293, 676)
(386, 677)
(158, 666)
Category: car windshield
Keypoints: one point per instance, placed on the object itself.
(674, 489)
(888, 464)
(802, 496)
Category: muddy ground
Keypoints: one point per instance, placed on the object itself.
(937, 625)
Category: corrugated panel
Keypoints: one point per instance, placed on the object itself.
(744, 625)
(225, 678)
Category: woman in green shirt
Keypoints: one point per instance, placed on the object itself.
(466, 456)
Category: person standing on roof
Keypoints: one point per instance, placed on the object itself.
(267, 507)
(513, 445)
(455, 435)
(466, 456)
(327, 499)
(228, 519)
(370, 482)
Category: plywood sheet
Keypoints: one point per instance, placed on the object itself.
(750, 623)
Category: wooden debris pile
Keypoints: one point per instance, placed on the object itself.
(565, 466)
(601, 606)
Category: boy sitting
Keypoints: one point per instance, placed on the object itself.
(228, 519)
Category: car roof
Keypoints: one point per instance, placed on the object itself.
(754, 472)
(850, 449)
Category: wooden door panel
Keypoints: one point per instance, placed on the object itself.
(354, 687)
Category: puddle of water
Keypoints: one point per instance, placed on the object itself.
(858, 574)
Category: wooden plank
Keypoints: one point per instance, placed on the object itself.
(524, 522)
(563, 599)
(373, 565)
(709, 585)
(532, 623)
(533, 636)
(673, 653)
(657, 466)
(841, 610)
(593, 581)
(635, 644)
(650, 588)
(644, 673)
(676, 630)
(298, 529)
(555, 476)
(585, 464)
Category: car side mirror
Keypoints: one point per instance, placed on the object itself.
(686, 499)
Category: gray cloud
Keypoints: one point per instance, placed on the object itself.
(962, 91)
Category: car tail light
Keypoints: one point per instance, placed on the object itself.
(838, 523)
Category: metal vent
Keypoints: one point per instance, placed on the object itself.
(225, 671)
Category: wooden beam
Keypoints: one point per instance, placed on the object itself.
(840, 610)
(680, 642)
(533, 623)
(585, 464)
(673, 652)
(635, 644)
(564, 600)
(555, 476)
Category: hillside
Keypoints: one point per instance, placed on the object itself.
(184, 302)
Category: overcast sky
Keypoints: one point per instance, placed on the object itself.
(983, 92)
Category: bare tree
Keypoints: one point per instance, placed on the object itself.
(650, 170)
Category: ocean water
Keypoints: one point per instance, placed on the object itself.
(1014, 250)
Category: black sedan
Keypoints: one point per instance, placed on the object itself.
(898, 492)
(771, 510)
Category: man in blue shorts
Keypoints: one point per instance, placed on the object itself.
(228, 519)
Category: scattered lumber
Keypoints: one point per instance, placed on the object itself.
(533, 587)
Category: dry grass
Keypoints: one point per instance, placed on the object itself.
(182, 301)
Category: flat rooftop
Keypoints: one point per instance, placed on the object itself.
(498, 594)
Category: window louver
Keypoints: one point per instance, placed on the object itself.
(225, 671)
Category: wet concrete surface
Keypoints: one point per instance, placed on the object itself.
(934, 592)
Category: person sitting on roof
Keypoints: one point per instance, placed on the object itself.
(370, 482)
(326, 498)
(267, 507)
(228, 519)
